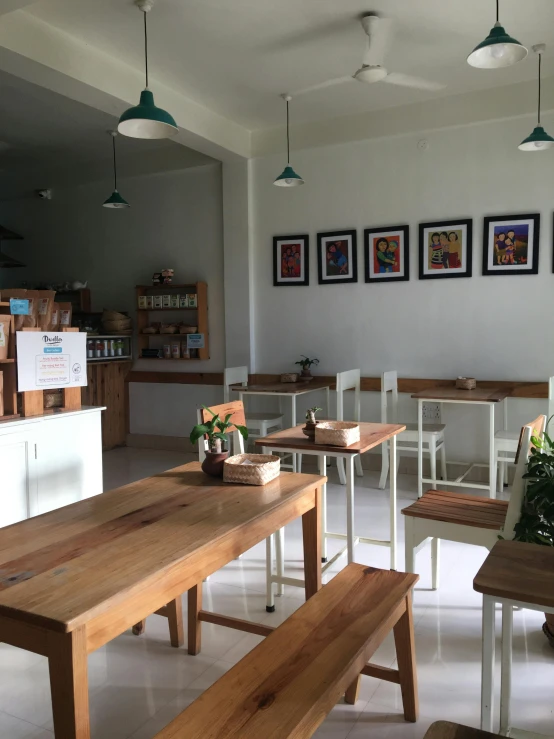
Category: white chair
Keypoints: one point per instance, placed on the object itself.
(465, 518)
(258, 423)
(505, 442)
(433, 433)
(349, 380)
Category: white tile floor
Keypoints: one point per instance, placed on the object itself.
(137, 685)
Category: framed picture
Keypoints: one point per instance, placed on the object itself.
(511, 245)
(387, 253)
(445, 249)
(291, 261)
(337, 257)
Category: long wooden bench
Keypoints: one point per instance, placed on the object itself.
(447, 730)
(287, 685)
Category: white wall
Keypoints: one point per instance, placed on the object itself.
(175, 220)
(488, 327)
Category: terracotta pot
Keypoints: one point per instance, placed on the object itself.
(309, 430)
(306, 373)
(213, 463)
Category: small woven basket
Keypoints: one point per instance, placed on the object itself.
(466, 383)
(289, 377)
(337, 433)
(263, 468)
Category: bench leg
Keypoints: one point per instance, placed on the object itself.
(174, 612)
(405, 656)
(351, 695)
(194, 596)
(139, 628)
(67, 660)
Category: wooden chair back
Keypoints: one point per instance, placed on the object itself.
(349, 380)
(517, 491)
(389, 384)
(236, 408)
(233, 376)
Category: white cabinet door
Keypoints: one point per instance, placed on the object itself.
(18, 486)
(69, 460)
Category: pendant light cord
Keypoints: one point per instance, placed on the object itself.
(288, 137)
(145, 47)
(539, 113)
(114, 165)
(497, 11)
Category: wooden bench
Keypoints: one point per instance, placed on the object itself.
(287, 685)
(446, 730)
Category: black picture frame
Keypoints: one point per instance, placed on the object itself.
(491, 253)
(370, 273)
(352, 258)
(465, 225)
(279, 280)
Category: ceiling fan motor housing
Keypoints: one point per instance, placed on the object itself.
(370, 73)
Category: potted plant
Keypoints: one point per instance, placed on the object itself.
(536, 524)
(306, 364)
(218, 442)
(309, 428)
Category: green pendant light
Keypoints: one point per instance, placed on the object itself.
(145, 120)
(539, 139)
(288, 177)
(498, 50)
(115, 200)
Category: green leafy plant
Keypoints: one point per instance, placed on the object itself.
(310, 414)
(306, 362)
(536, 524)
(216, 431)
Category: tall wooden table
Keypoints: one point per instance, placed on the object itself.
(371, 435)
(291, 390)
(478, 396)
(73, 579)
(513, 574)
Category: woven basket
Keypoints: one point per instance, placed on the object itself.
(117, 325)
(466, 383)
(188, 329)
(263, 469)
(289, 377)
(169, 329)
(337, 433)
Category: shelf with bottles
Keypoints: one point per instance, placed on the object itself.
(104, 347)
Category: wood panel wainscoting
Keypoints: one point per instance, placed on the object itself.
(107, 386)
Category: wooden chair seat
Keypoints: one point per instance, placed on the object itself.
(286, 686)
(459, 508)
(447, 730)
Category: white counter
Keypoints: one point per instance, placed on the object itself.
(49, 461)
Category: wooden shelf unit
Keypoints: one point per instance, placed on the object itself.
(8, 368)
(143, 319)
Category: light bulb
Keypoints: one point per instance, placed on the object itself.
(498, 50)
(539, 144)
(288, 181)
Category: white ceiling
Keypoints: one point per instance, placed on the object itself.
(236, 56)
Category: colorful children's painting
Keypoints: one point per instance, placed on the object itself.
(337, 257)
(386, 254)
(511, 245)
(445, 249)
(291, 260)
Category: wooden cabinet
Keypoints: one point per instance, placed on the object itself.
(106, 387)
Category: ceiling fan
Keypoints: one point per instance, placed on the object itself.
(378, 31)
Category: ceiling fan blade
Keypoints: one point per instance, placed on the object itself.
(418, 83)
(379, 33)
(321, 86)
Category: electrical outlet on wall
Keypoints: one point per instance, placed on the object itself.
(431, 412)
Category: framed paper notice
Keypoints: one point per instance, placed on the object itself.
(51, 360)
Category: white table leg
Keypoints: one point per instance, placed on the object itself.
(492, 456)
(392, 502)
(487, 669)
(270, 602)
(327, 403)
(293, 424)
(419, 448)
(506, 667)
(322, 460)
(280, 558)
(349, 463)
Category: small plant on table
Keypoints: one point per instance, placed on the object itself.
(309, 428)
(215, 430)
(306, 363)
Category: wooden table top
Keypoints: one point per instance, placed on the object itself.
(66, 567)
(478, 395)
(518, 571)
(286, 388)
(371, 435)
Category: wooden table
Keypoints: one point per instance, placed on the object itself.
(478, 396)
(371, 435)
(73, 579)
(513, 574)
(286, 390)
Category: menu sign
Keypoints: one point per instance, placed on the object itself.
(51, 360)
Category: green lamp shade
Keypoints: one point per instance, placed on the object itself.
(116, 201)
(537, 141)
(146, 121)
(288, 178)
(497, 50)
